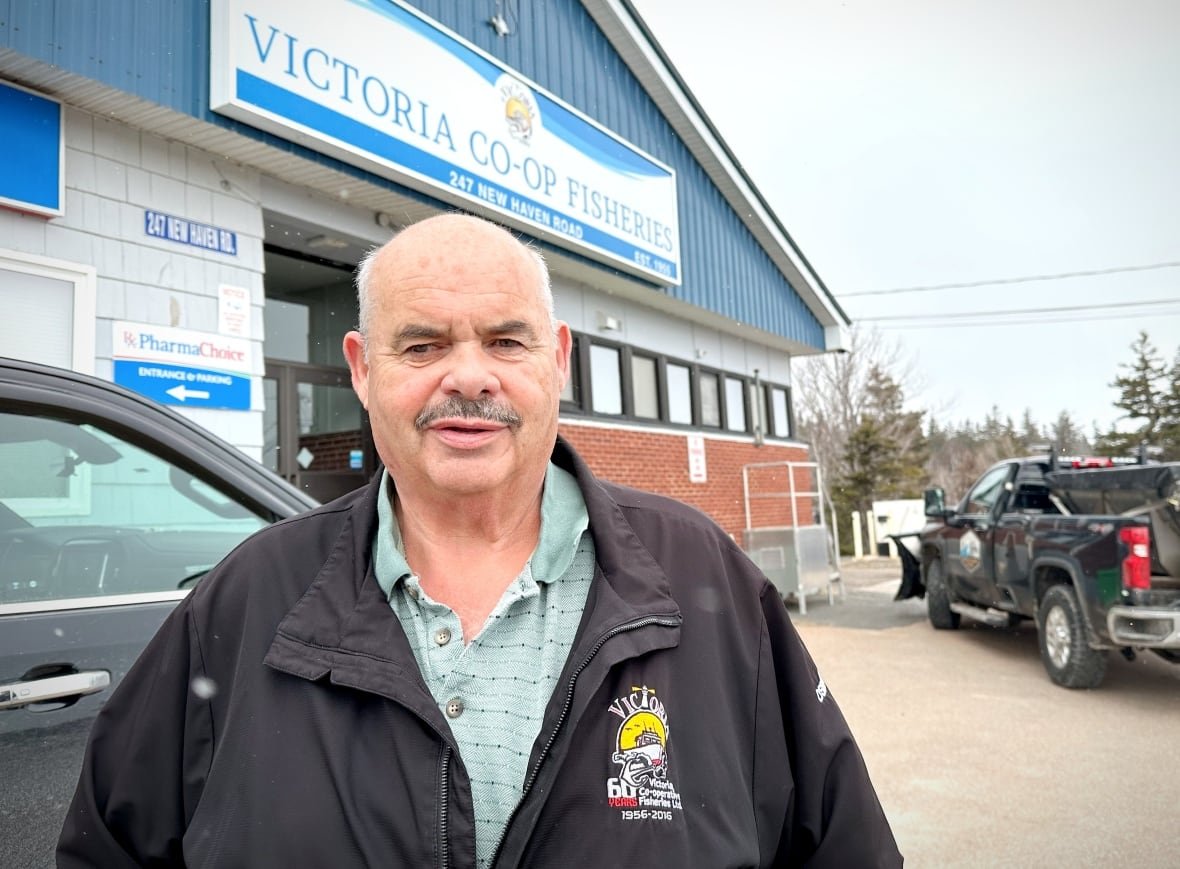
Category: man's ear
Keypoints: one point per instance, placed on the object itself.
(565, 343)
(354, 352)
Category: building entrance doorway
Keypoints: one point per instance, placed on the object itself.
(317, 435)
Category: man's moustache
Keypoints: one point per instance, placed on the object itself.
(455, 407)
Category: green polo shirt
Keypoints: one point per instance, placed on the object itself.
(493, 690)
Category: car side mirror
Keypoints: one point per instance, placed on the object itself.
(935, 502)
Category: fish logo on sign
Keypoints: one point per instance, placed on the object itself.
(521, 113)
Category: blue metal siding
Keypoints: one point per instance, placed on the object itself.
(159, 51)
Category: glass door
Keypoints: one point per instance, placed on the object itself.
(316, 433)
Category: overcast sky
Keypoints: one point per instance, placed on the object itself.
(927, 142)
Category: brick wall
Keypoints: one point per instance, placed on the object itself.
(658, 462)
(330, 451)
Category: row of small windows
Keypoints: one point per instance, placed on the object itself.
(617, 380)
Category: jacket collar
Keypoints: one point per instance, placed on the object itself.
(344, 625)
(631, 584)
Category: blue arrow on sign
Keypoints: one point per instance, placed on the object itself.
(190, 387)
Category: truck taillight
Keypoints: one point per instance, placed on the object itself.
(1137, 563)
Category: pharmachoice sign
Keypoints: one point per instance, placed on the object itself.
(391, 91)
(181, 366)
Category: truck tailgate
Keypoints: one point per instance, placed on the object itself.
(1131, 490)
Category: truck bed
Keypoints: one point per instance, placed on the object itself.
(1130, 490)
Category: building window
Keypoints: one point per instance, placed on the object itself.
(780, 419)
(645, 387)
(679, 393)
(735, 405)
(615, 379)
(758, 403)
(606, 381)
(710, 400)
(49, 311)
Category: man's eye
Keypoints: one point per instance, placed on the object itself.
(506, 344)
(419, 349)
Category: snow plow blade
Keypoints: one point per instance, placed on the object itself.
(911, 570)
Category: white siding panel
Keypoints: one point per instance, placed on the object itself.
(79, 129)
(80, 171)
(111, 302)
(110, 178)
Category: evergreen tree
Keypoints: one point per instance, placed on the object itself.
(1140, 396)
(1168, 437)
(1030, 433)
(885, 454)
(850, 410)
(1067, 437)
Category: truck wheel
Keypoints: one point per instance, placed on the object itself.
(1068, 658)
(938, 599)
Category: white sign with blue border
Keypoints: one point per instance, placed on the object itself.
(391, 91)
(183, 367)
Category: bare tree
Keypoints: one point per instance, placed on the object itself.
(831, 392)
(959, 455)
(835, 395)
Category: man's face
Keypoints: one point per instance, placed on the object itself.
(464, 372)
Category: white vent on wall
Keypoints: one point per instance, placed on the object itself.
(607, 323)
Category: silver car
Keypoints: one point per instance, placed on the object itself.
(112, 508)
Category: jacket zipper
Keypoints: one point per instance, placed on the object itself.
(666, 621)
(444, 786)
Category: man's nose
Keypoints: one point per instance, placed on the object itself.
(469, 372)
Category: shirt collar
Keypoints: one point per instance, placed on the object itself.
(563, 521)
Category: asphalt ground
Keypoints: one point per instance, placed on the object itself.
(980, 760)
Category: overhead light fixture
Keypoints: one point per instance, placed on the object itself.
(326, 241)
(499, 25)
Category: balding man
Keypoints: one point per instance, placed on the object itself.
(487, 657)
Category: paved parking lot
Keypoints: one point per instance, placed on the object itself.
(978, 758)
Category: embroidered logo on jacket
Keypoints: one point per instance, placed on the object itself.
(642, 790)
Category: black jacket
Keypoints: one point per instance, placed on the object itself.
(279, 719)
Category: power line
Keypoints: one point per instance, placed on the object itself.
(1020, 311)
(1024, 279)
(1030, 321)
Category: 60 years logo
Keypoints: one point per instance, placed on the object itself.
(642, 789)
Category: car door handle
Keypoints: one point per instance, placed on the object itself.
(18, 694)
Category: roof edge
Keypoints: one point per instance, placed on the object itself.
(631, 37)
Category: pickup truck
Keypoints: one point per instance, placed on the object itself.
(1087, 548)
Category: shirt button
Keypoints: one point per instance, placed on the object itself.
(454, 707)
(442, 636)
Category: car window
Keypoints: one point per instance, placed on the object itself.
(84, 512)
(1033, 498)
(987, 491)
